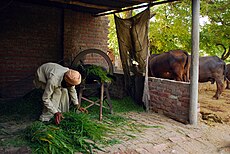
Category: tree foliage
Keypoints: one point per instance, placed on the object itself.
(215, 35)
(171, 28)
(113, 42)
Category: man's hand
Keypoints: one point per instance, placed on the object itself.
(77, 106)
(83, 110)
(58, 117)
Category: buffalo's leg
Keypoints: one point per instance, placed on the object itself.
(178, 74)
(219, 88)
(186, 77)
(227, 87)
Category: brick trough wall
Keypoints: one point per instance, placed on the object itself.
(170, 98)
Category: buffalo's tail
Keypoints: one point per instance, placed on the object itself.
(186, 66)
(225, 72)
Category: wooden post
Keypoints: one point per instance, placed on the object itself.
(101, 100)
(193, 112)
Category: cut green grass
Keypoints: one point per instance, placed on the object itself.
(76, 133)
(79, 133)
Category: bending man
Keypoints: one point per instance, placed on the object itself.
(59, 84)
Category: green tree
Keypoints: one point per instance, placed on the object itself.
(171, 27)
(215, 34)
(113, 42)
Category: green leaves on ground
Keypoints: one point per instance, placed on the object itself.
(76, 132)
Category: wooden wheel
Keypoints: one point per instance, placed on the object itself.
(99, 58)
(95, 57)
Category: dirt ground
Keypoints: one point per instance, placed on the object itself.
(171, 137)
(166, 136)
(219, 108)
(210, 136)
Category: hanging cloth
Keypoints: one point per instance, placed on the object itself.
(132, 37)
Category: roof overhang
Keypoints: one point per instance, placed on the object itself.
(98, 7)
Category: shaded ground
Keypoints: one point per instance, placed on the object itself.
(163, 135)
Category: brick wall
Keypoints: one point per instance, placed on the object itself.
(117, 88)
(170, 98)
(83, 31)
(33, 34)
(29, 36)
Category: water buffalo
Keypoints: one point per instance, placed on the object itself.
(149, 63)
(170, 65)
(213, 69)
(228, 76)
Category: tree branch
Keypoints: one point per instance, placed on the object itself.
(227, 54)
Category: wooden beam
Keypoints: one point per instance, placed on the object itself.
(84, 4)
(133, 8)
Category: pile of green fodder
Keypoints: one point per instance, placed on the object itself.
(97, 72)
(75, 133)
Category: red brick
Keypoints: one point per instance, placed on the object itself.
(170, 98)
